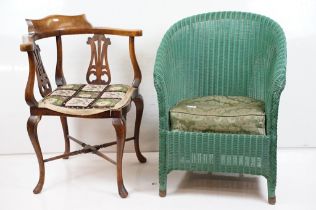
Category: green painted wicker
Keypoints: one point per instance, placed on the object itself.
(221, 53)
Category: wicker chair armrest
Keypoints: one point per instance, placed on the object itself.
(277, 84)
(163, 102)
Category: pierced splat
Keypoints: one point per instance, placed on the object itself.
(98, 70)
(42, 79)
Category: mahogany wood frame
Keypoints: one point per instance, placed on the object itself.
(59, 25)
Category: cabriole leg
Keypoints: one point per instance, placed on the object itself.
(120, 128)
(139, 104)
(32, 131)
(64, 124)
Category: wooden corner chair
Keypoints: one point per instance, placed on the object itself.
(96, 99)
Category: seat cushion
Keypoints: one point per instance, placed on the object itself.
(221, 114)
(87, 99)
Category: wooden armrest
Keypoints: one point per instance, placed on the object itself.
(117, 31)
(26, 47)
(27, 43)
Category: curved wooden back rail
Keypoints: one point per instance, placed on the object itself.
(57, 22)
(59, 25)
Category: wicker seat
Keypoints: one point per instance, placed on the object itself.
(231, 54)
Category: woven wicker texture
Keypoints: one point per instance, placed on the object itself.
(221, 53)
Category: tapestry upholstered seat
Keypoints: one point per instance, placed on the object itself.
(222, 114)
(87, 99)
(219, 77)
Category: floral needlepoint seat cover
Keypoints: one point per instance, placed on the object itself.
(87, 99)
(221, 114)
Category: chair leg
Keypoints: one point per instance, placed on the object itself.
(162, 168)
(139, 104)
(120, 128)
(64, 124)
(32, 131)
(271, 179)
(271, 190)
(162, 185)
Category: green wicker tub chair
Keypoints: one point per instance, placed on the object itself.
(219, 77)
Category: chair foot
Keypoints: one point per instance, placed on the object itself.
(141, 158)
(139, 104)
(122, 191)
(38, 188)
(272, 200)
(162, 193)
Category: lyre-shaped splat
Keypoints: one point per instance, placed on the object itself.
(42, 79)
(98, 70)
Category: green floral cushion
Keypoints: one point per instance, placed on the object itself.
(78, 98)
(222, 114)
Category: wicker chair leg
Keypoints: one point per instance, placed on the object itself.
(162, 184)
(271, 191)
(32, 131)
(64, 124)
(162, 167)
(139, 103)
(120, 128)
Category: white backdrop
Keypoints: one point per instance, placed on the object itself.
(297, 109)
